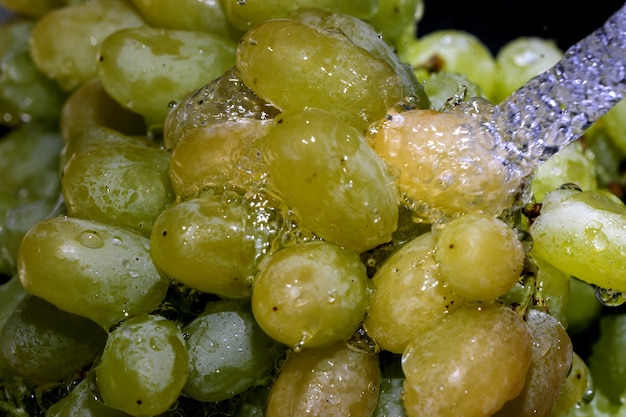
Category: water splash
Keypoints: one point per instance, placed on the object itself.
(556, 107)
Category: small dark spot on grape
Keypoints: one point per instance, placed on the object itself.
(451, 246)
(279, 121)
(275, 308)
(396, 10)
(164, 233)
(139, 402)
(100, 58)
(200, 102)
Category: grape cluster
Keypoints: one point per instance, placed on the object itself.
(287, 208)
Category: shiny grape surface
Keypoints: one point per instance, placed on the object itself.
(283, 208)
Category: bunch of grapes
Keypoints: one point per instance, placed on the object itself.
(287, 208)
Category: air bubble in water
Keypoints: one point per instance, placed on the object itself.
(610, 298)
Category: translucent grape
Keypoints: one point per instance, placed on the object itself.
(43, 344)
(64, 44)
(310, 294)
(490, 353)
(207, 243)
(138, 67)
(94, 270)
(228, 352)
(410, 297)
(326, 381)
(331, 179)
(144, 366)
(479, 256)
(330, 73)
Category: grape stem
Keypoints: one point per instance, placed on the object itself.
(556, 107)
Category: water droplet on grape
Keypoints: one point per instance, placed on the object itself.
(90, 239)
(610, 298)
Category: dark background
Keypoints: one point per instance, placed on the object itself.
(497, 22)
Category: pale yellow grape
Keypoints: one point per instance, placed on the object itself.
(329, 72)
(140, 67)
(334, 381)
(574, 164)
(479, 256)
(551, 361)
(364, 34)
(410, 297)
(90, 106)
(333, 181)
(65, 42)
(576, 388)
(468, 365)
(444, 164)
(206, 16)
(94, 270)
(310, 294)
(209, 158)
(521, 59)
(584, 235)
(245, 14)
(453, 50)
(208, 244)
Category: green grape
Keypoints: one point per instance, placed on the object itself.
(583, 235)
(553, 289)
(210, 158)
(98, 137)
(310, 294)
(614, 125)
(25, 93)
(576, 390)
(80, 401)
(11, 294)
(607, 359)
(391, 391)
(43, 344)
(337, 380)
(453, 51)
(64, 43)
(363, 34)
(246, 14)
(228, 352)
(90, 106)
(30, 154)
(444, 169)
(409, 289)
(206, 16)
(551, 361)
(225, 99)
(18, 219)
(139, 67)
(572, 165)
(144, 366)
(122, 184)
(476, 350)
(94, 270)
(396, 20)
(331, 178)
(330, 72)
(445, 88)
(583, 307)
(521, 59)
(608, 156)
(209, 244)
(479, 256)
(32, 8)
